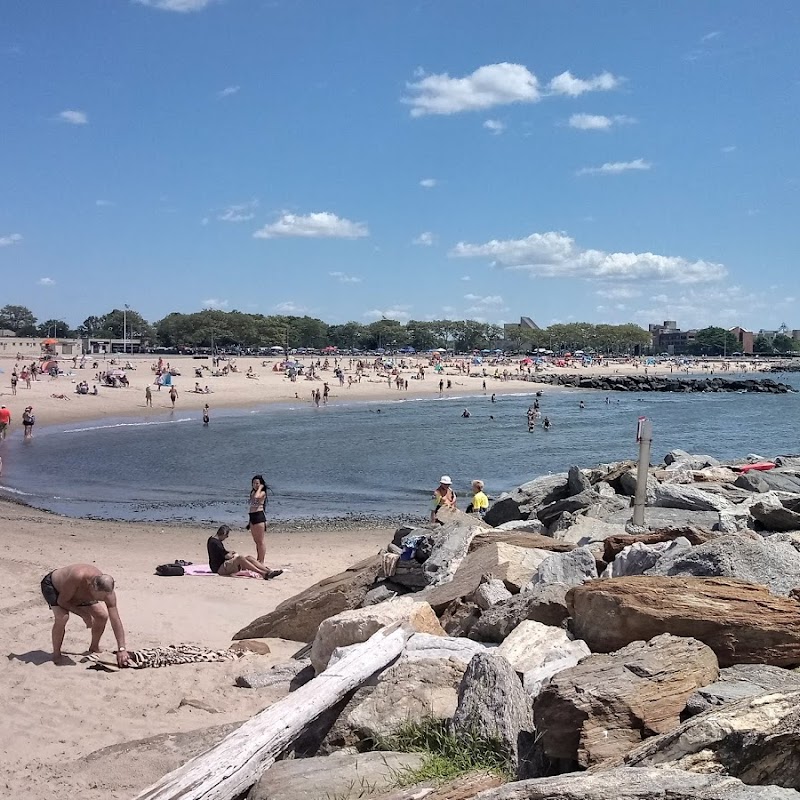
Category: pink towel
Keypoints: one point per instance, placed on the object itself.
(196, 570)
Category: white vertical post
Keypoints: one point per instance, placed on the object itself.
(644, 436)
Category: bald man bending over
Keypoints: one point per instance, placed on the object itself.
(83, 590)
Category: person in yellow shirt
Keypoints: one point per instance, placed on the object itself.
(480, 502)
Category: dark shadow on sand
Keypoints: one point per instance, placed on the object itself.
(39, 657)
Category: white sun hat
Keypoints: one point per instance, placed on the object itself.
(445, 480)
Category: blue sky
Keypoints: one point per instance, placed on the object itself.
(609, 162)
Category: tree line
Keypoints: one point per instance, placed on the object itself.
(225, 329)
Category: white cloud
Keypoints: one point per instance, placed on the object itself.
(425, 239)
(214, 302)
(709, 36)
(428, 183)
(495, 126)
(343, 277)
(616, 167)
(556, 255)
(11, 238)
(730, 148)
(703, 306)
(46, 282)
(566, 83)
(400, 313)
(104, 203)
(488, 86)
(228, 91)
(241, 212)
(466, 278)
(181, 6)
(597, 122)
(491, 300)
(204, 221)
(618, 293)
(290, 307)
(74, 117)
(317, 225)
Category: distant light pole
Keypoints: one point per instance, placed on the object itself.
(125, 329)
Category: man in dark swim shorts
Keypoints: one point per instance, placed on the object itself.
(83, 590)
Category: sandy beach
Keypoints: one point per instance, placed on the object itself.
(236, 390)
(57, 715)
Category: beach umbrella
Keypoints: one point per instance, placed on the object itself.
(47, 365)
(50, 341)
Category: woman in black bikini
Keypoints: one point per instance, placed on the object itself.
(258, 519)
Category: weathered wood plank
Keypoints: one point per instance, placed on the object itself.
(236, 763)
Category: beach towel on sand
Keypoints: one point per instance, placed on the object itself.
(195, 570)
(170, 656)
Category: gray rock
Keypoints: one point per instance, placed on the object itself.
(562, 523)
(577, 482)
(409, 691)
(424, 647)
(639, 783)
(665, 518)
(628, 482)
(546, 604)
(578, 502)
(410, 575)
(526, 499)
(525, 525)
(607, 704)
(790, 462)
(752, 482)
(637, 558)
(689, 460)
(781, 482)
(771, 512)
(491, 592)
(338, 775)
(675, 455)
(379, 594)
(772, 563)
(504, 510)
(493, 704)
(572, 569)
(739, 681)
(588, 531)
(687, 497)
(451, 548)
(753, 739)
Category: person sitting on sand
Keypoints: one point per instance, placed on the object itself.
(224, 562)
(84, 590)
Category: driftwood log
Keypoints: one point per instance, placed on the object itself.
(237, 762)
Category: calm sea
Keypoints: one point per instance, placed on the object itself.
(371, 459)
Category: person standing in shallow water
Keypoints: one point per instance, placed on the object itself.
(205, 414)
(258, 519)
(148, 396)
(173, 395)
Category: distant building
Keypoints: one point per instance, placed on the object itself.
(107, 346)
(745, 339)
(669, 338)
(512, 331)
(30, 348)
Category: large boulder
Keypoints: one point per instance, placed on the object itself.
(752, 482)
(774, 515)
(409, 691)
(741, 622)
(537, 652)
(577, 482)
(639, 783)
(367, 774)
(638, 558)
(578, 502)
(680, 459)
(588, 530)
(689, 498)
(741, 680)
(520, 537)
(544, 603)
(749, 557)
(515, 566)
(662, 519)
(426, 647)
(573, 568)
(613, 545)
(492, 704)
(756, 739)
(781, 481)
(526, 499)
(299, 617)
(491, 592)
(451, 545)
(357, 625)
(607, 704)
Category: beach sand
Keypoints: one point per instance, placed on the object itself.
(237, 390)
(54, 716)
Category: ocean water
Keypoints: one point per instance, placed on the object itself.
(368, 459)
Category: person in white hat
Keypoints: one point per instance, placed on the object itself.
(443, 497)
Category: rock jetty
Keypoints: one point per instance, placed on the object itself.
(600, 659)
(652, 383)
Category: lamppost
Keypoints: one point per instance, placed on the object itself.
(125, 329)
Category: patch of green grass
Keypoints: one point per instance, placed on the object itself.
(445, 754)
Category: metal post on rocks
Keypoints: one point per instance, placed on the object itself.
(644, 435)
